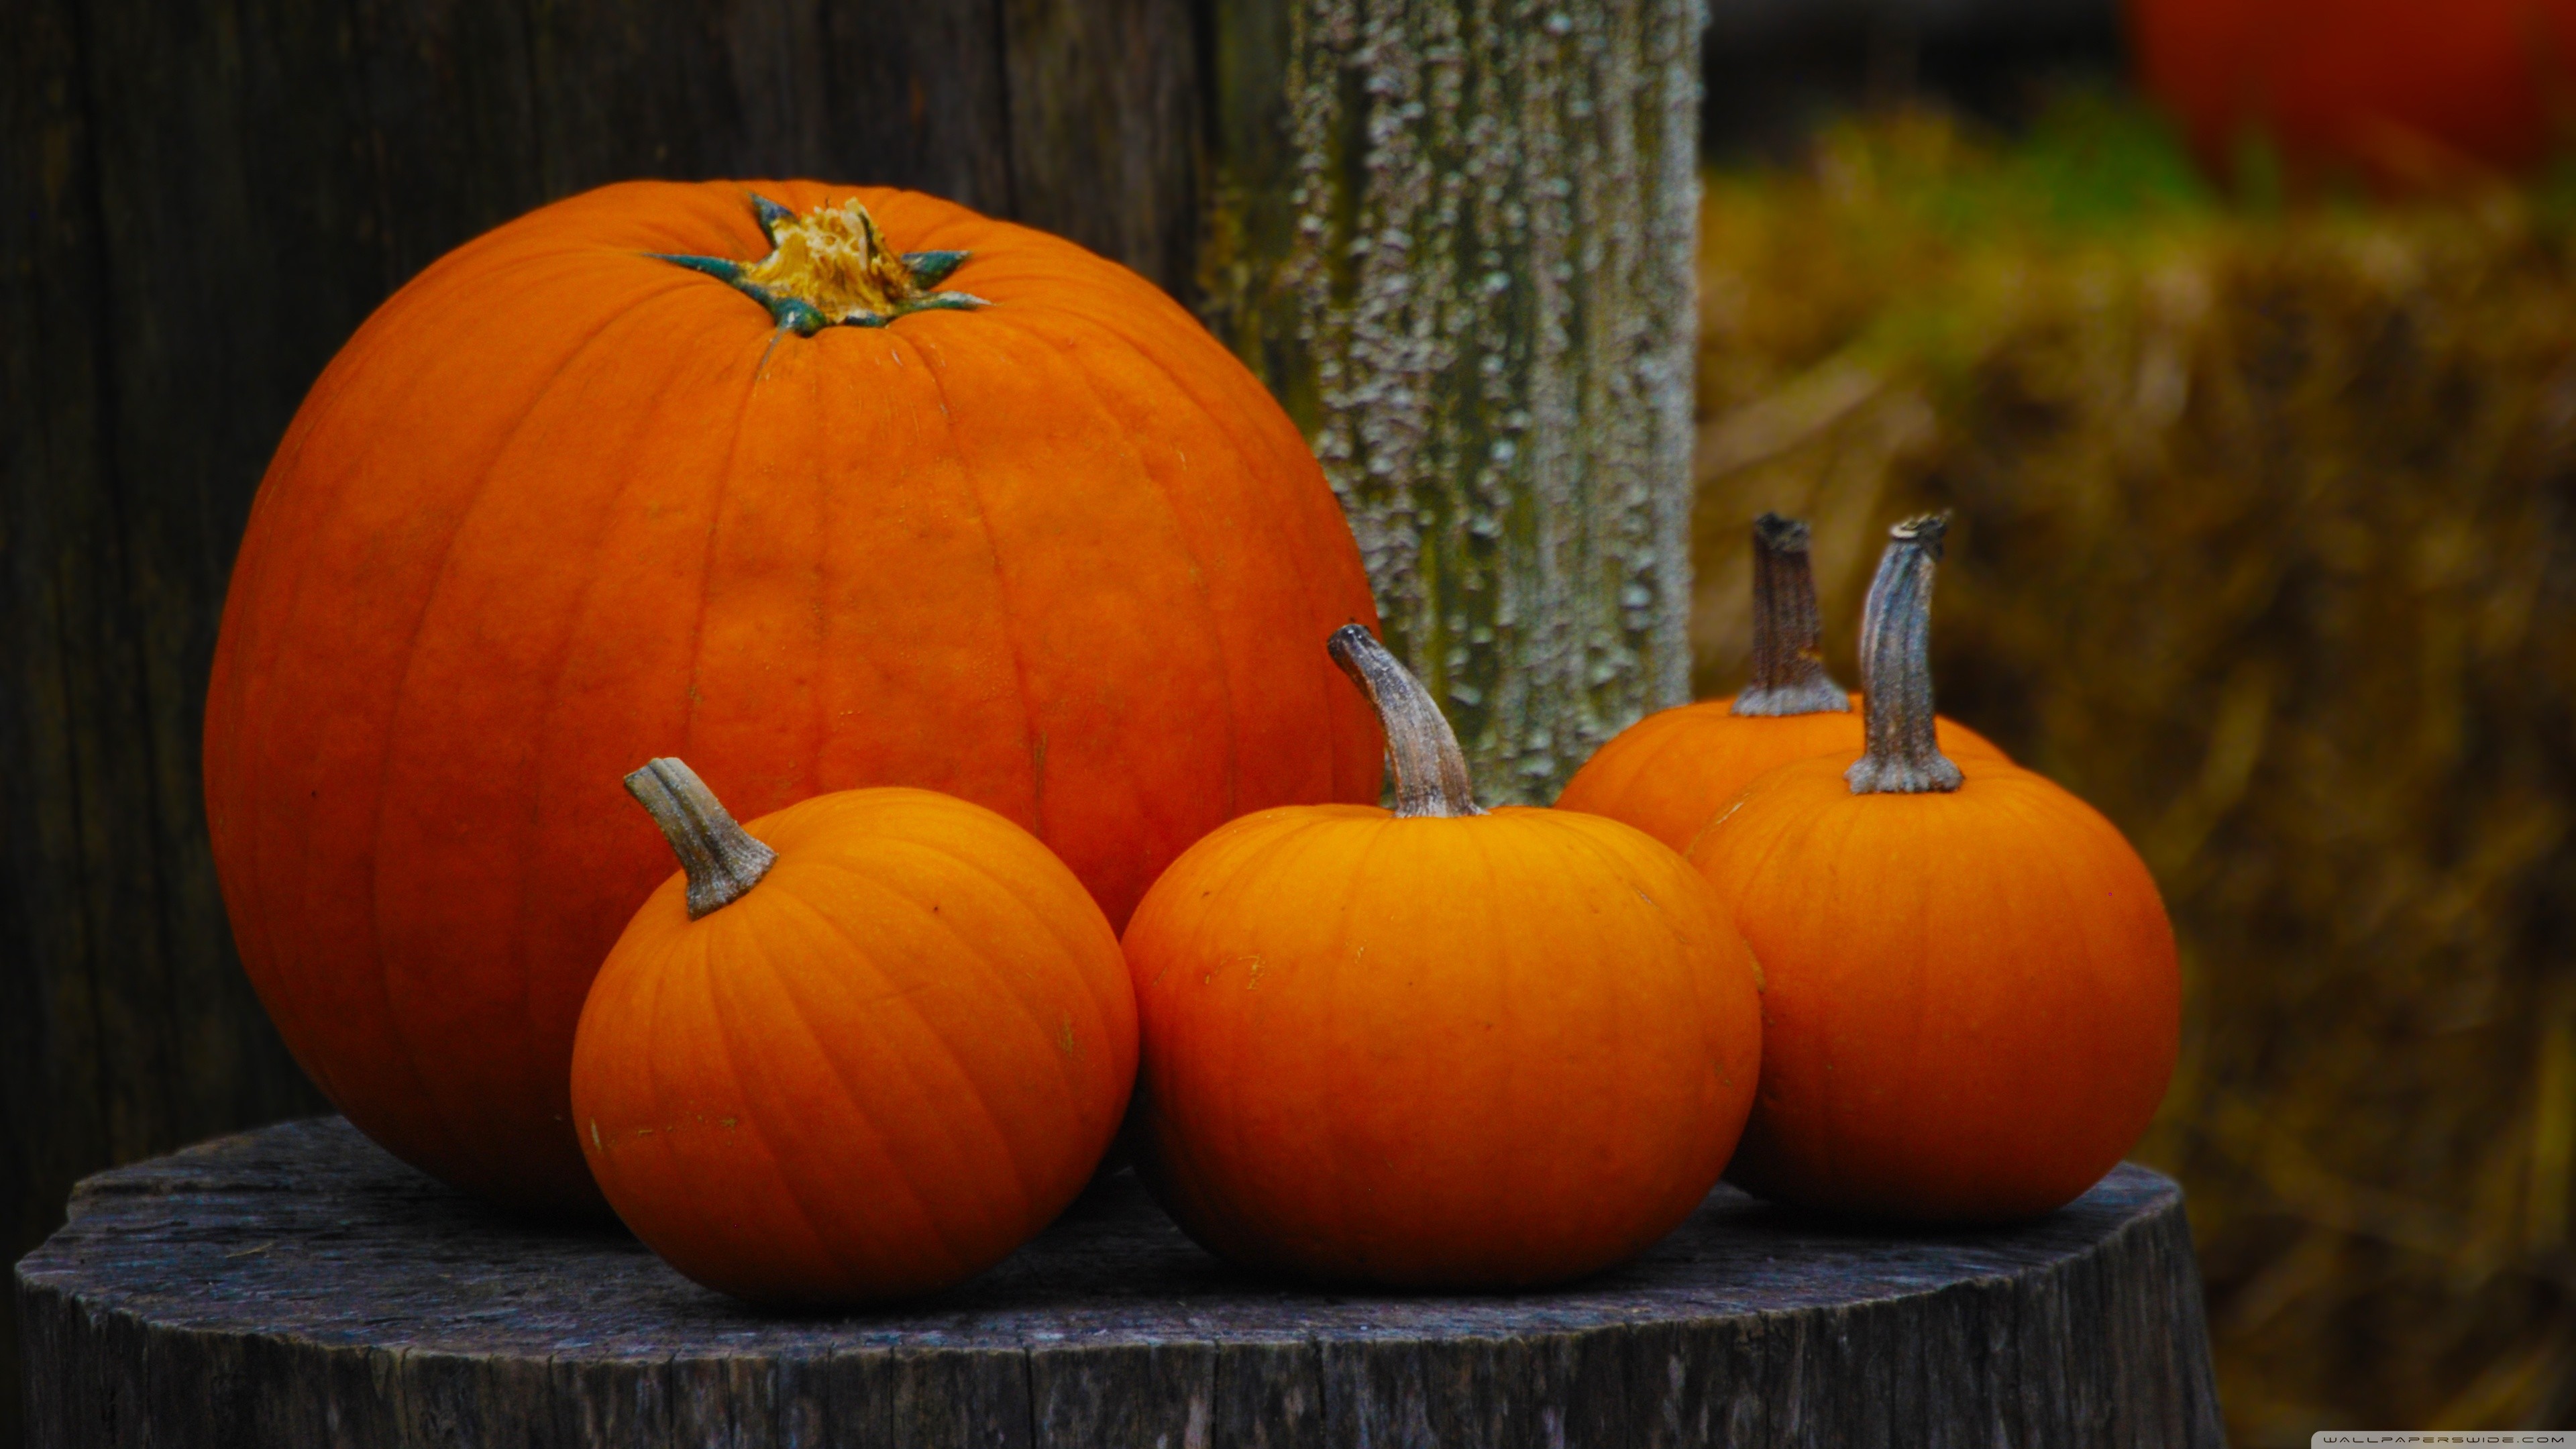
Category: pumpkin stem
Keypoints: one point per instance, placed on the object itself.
(1788, 649)
(1904, 755)
(1422, 751)
(832, 266)
(722, 859)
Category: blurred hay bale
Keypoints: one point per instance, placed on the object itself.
(2267, 546)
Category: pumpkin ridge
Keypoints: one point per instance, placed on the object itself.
(690, 946)
(1665, 749)
(1343, 958)
(550, 711)
(820, 1051)
(1225, 422)
(931, 367)
(1576, 839)
(341, 374)
(815, 415)
(257, 676)
(1205, 938)
(1101, 1011)
(1348, 964)
(1598, 848)
(974, 1088)
(1508, 1005)
(1209, 926)
(1153, 783)
(393, 1019)
(1678, 750)
(567, 649)
(2037, 808)
(723, 492)
(1835, 1104)
(930, 1218)
(899, 395)
(484, 485)
(2010, 908)
(1919, 845)
(556, 716)
(1226, 419)
(1261, 849)
(1180, 531)
(2036, 811)
(1539, 835)
(720, 1010)
(1005, 982)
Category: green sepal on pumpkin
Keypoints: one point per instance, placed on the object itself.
(902, 284)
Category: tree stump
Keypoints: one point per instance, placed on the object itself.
(296, 1286)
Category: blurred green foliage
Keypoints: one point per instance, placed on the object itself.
(2267, 546)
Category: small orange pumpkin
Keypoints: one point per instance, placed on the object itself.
(1435, 1046)
(1972, 1005)
(857, 1051)
(1669, 772)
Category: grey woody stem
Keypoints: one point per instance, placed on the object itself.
(722, 859)
(1904, 754)
(1788, 649)
(1421, 750)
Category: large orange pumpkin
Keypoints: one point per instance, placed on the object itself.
(1670, 772)
(2404, 91)
(860, 1050)
(1435, 1047)
(1971, 1005)
(563, 504)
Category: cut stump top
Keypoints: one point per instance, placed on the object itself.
(297, 1285)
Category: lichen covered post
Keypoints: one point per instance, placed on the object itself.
(1455, 237)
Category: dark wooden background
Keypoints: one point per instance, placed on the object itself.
(200, 199)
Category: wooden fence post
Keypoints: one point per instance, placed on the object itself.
(1455, 237)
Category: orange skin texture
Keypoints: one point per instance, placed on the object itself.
(1670, 772)
(887, 1065)
(1972, 1006)
(2394, 88)
(1487, 1052)
(559, 508)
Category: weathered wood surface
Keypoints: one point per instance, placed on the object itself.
(198, 203)
(1456, 239)
(296, 1286)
